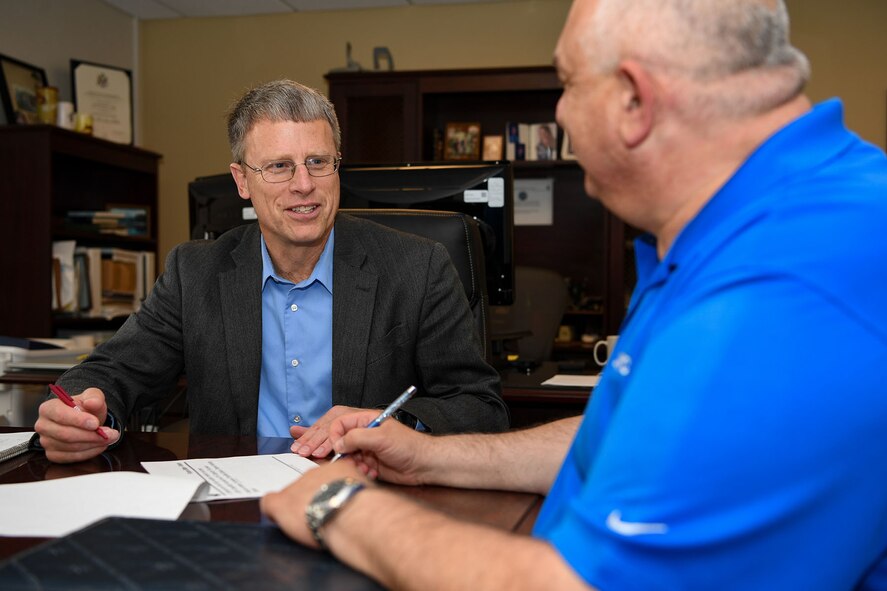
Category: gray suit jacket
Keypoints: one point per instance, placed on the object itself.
(400, 317)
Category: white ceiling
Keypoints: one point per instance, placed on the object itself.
(157, 9)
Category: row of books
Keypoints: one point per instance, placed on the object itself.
(116, 221)
(536, 141)
(100, 281)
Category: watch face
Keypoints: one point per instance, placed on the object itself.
(321, 504)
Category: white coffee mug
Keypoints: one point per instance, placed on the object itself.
(609, 344)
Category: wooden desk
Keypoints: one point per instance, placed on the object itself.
(511, 511)
(529, 402)
(532, 403)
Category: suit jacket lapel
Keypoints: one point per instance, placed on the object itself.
(240, 293)
(354, 296)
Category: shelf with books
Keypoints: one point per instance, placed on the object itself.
(48, 172)
(112, 221)
(104, 282)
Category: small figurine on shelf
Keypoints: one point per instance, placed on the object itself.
(350, 64)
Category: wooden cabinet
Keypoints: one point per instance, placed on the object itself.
(45, 172)
(400, 116)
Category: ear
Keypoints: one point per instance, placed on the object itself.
(637, 97)
(240, 180)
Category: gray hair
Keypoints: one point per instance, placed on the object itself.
(280, 100)
(706, 42)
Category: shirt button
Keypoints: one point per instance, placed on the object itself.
(295, 363)
(294, 308)
(297, 419)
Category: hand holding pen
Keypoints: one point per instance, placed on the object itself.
(66, 398)
(389, 410)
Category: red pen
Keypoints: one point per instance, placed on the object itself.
(66, 398)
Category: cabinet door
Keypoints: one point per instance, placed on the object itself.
(378, 120)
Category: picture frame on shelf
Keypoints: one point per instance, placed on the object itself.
(19, 82)
(543, 141)
(105, 93)
(493, 146)
(462, 141)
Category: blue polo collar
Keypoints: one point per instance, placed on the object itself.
(822, 133)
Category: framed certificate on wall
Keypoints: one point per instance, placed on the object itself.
(105, 92)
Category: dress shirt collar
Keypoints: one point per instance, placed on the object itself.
(322, 272)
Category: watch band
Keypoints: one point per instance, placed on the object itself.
(328, 500)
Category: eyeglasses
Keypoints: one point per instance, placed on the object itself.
(280, 171)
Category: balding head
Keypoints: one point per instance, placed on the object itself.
(730, 57)
(664, 99)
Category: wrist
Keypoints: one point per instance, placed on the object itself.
(326, 504)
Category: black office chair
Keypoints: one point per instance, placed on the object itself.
(460, 235)
(528, 327)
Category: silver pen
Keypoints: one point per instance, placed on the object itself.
(389, 410)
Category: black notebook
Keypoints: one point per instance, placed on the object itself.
(124, 553)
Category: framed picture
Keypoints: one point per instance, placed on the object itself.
(493, 147)
(543, 141)
(105, 93)
(462, 141)
(18, 86)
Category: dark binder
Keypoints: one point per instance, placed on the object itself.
(124, 553)
(29, 344)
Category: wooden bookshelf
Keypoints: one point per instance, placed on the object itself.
(45, 171)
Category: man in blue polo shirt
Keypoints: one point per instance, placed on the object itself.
(736, 438)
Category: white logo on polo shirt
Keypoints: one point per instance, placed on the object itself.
(632, 528)
(622, 364)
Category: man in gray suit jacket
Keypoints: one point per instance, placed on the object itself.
(283, 326)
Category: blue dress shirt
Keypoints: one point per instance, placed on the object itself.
(297, 346)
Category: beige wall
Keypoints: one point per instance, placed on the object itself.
(847, 46)
(49, 33)
(192, 69)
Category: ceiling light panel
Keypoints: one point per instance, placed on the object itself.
(200, 8)
(144, 9)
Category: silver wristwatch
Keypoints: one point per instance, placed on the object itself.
(331, 497)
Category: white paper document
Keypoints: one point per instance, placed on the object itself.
(239, 477)
(50, 508)
(579, 381)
